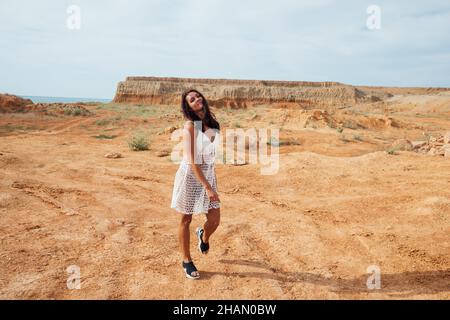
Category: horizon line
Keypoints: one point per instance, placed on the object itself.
(25, 95)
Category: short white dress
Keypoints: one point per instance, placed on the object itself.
(189, 196)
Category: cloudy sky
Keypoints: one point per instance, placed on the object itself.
(311, 40)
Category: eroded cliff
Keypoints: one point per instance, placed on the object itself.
(238, 93)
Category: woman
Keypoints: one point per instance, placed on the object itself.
(195, 185)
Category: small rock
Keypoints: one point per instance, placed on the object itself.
(170, 129)
(402, 144)
(432, 151)
(239, 163)
(113, 155)
(34, 227)
(162, 153)
(447, 152)
(447, 138)
(70, 212)
(120, 222)
(418, 144)
(131, 225)
(236, 189)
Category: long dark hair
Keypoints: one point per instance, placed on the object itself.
(209, 119)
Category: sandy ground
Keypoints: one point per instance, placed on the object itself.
(339, 204)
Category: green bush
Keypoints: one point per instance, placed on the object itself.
(138, 141)
(75, 111)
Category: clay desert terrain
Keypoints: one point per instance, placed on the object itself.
(363, 180)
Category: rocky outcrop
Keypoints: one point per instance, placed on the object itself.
(10, 103)
(434, 145)
(239, 93)
(321, 118)
(390, 91)
(67, 109)
(402, 145)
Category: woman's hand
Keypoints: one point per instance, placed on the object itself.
(213, 196)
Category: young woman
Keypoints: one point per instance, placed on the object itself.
(195, 185)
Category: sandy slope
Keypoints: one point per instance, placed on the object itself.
(334, 208)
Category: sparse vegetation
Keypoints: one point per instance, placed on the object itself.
(102, 122)
(126, 111)
(357, 137)
(340, 129)
(350, 124)
(287, 142)
(427, 136)
(138, 141)
(75, 111)
(8, 128)
(283, 142)
(110, 120)
(392, 151)
(104, 136)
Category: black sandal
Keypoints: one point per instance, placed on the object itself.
(189, 269)
(202, 246)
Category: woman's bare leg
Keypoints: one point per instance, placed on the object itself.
(211, 223)
(183, 236)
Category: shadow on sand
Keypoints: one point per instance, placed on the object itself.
(402, 284)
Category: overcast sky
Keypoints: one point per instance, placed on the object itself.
(317, 40)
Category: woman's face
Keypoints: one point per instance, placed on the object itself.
(194, 101)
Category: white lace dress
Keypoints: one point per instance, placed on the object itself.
(189, 196)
